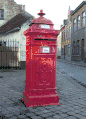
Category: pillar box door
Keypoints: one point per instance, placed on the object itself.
(41, 50)
(44, 64)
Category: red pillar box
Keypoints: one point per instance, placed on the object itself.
(41, 50)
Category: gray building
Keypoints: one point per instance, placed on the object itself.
(78, 33)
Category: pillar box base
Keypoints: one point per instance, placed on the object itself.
(44, 100)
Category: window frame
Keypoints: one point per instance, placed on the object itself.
(83, 18)
(1, 14)
(67, 33)
(78, 22)
(70, 32)
(64, 34)
(74, 25)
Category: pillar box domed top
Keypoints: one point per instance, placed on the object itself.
(41, 19)
(41, 25)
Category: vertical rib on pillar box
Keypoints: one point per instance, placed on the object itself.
(41, 51)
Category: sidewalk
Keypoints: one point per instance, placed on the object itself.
(81, 63)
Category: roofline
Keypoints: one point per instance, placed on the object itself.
(17, 28)
(74, 11)
(29, 14)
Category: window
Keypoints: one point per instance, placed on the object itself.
(64, 34)
(67, 32)
(68, 19)
(70, 32)
(83, 19)
(1, 13)
(61, 36)
(78, 22)
(70, 29)
(74, 25)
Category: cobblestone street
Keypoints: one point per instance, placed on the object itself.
(75, 70)
(72, 97)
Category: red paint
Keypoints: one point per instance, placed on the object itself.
(40, 67)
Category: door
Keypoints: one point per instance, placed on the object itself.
(82, 49)
(44, 72)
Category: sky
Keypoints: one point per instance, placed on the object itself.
(55, 10)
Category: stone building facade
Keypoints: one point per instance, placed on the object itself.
(78, 33)
(9, 9)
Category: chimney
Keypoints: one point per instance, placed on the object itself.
(23, 7)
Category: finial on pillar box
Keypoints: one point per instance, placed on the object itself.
(41, 13)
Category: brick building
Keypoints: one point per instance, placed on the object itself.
(66, 37)
(78, 33)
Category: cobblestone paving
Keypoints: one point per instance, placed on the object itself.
(73, 70)
(12, 85)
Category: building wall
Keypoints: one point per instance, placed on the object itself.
(24, 27)
(79, 12)
(66, 42)
(78, 34)
(20, 38)
(11, 9)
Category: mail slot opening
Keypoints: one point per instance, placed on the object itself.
(45, 39)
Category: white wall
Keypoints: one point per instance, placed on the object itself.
(12, 37)
(19, 37)
(22, 44)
